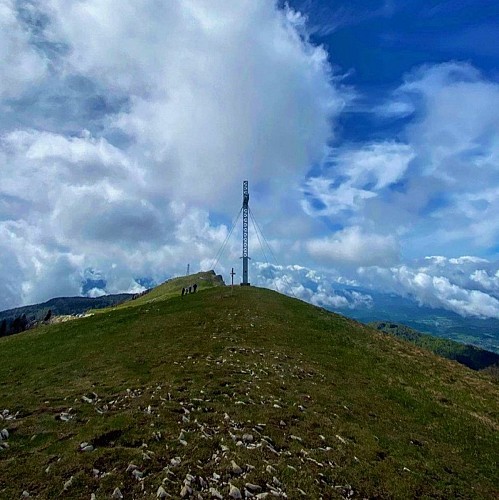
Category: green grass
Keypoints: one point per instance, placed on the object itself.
(468, 355)
(173, 288)
(375, 415)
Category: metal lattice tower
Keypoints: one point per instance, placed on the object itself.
(245, 233)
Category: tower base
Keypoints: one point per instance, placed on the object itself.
(245, 284)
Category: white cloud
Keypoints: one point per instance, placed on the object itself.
(437, 187)
(459, 284)
(321, 288)
(353, 246)
(207, 96)
(21, 65)
(182, 101)
(488, 282)
(454, 136)
(357, 174)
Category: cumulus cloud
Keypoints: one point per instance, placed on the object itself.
(486, 281)
(353, 246)
(207, 96)
(140, 136)
(357, 173)
(321, 288)
(453, 134)
(22, 64)
(460, 284)
(436, 187)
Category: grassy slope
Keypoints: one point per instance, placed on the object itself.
(173, 288)
(469, 355)
(397, 422)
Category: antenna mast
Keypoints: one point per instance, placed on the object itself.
(245, 233)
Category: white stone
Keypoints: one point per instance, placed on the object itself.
(253, 487)
(235, 468)
(215, 494)
(186, 491)
(131, 467)
(117, 494)
(161, 493)
(68, 483)
(137, 474)
(234, 492)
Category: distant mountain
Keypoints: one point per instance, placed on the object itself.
(393, 308)
(471, 356)
(59, 306)
(22, 318)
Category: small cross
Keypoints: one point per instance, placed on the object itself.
(232, 274)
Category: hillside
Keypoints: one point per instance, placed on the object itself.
(63, 306)
(173, 287)
(468, 355)
(226, 391)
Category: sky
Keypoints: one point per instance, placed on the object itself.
(368, 132)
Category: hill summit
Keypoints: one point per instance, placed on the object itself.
(238, 393)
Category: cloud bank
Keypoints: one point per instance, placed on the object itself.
(126, 130)
(123, 144)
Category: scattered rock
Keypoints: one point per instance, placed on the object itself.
(4, 434)
(215, 494)
(185, 491)
(234, 492)
(254, 488)
(235, 468)
(68, 483)
(131, 467)
(86, 447)
(137, 474)
(117, 494)
(161, 493)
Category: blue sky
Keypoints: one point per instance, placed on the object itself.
(368, 131)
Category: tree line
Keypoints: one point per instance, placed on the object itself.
(20, 324)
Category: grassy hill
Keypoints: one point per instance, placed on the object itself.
(469, 355)
(239, 389)
(173, 287)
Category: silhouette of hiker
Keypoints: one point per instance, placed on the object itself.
(183, 292)
(194, 287)
(190, 289)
